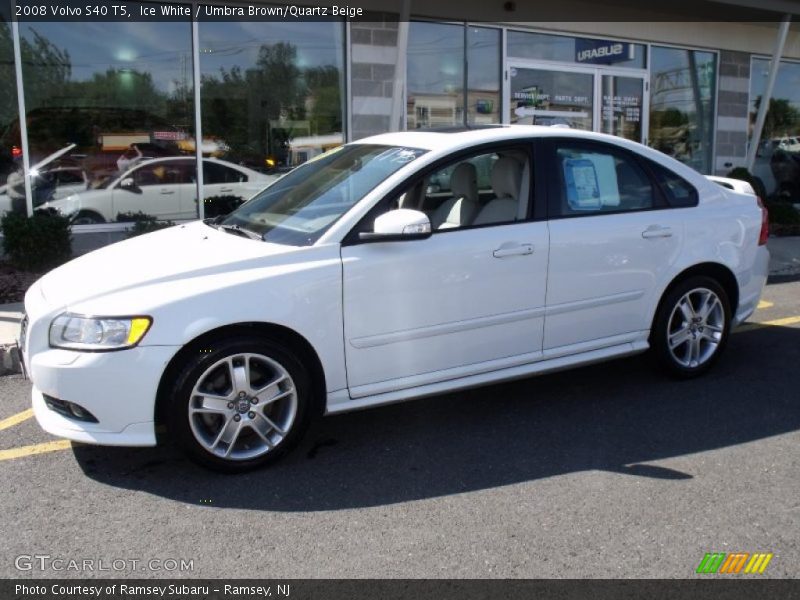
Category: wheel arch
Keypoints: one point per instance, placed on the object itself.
(717, 271)
(272, 331)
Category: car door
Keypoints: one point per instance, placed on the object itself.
(613, 240)
(467, 300)
(158, 189)
(224, 188)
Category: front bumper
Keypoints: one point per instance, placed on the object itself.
(118, 388)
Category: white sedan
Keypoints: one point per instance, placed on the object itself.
(352, 282)
(163, 187)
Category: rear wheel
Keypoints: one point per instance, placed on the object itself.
(241, 404)
(87, 217)
(692, 326)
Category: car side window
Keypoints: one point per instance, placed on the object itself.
(678, 191)
(215, 174)
(594, 179)
(487, 188)
(164, 173)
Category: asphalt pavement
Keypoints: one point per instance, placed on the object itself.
(607, 471)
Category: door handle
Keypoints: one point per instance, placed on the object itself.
(226, 190)
(515, 250)
(167, 192)
(657, 231)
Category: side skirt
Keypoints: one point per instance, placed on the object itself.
(339, 402)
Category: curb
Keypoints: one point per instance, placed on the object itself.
(9, 360)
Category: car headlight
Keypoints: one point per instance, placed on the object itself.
(77, 332)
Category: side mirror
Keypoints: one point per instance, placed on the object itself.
(397, 225)
(129, 184)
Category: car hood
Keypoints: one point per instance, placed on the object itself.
(174, 256)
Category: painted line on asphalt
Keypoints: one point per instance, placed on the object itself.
(774, 323)
(16, 419)
(22, 451)
(765, 304)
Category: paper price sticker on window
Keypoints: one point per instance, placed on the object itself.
(583, 188)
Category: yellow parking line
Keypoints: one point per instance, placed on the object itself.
(774, 323)
(17, 418)
(765, 304)
(34, 449)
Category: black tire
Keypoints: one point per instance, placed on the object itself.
(664, 326)
(87, 217)
(197, 365)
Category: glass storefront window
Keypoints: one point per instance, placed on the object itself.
(551, 97)
(10, 156)
(435, 75)
(778, 156)
(483, 75)
(583, 51)
(103, 100)
(271, 99)
(682, 98)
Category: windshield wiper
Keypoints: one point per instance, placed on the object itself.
(242, 231)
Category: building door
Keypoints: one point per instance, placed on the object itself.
(599, 99)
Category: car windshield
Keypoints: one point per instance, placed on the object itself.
(300, 206)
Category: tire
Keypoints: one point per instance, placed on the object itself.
(220, 417)
(87, 218)
(691, 327)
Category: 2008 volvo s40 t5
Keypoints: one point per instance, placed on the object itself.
(400, 266)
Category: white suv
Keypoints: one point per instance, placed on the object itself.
(353, 282)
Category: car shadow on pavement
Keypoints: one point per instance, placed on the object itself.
(614, 417)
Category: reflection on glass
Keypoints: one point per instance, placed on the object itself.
(271, 98)
(435, 75)
(778, 155)
(542, 97)
(585, 51)
(101, 97)
(682, 97)
(621, 108)
(10, 156)
(483, 75)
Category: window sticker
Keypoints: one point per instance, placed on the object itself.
(583, 188)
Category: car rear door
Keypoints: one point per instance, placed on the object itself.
(465, 301)
(613, 241)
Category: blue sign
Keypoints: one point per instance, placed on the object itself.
(602, 52)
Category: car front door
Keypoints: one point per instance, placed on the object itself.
(158, 189)
(613, 240)
(467, 300)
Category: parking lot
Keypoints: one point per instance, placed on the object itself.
(607, 471)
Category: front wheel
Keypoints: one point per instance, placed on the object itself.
(692, 326)
(240, 404)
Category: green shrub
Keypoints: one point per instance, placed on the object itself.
(216, 206)
(142, 223)
(783, 213)
(744, 175)
(38, 243)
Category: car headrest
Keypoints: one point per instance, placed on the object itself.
(464, 182)
(506, 178)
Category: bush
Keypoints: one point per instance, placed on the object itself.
(142, 223)
(216, 206)
(783, 213)
(744, 175)
(38, 243)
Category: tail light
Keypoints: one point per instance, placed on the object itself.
(16, 151)
(762, 237)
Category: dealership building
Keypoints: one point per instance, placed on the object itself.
(715, 84)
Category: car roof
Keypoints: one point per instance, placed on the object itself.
(450, 138)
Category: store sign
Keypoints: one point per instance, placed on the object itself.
(602, 52)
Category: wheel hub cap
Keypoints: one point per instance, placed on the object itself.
(696, 327)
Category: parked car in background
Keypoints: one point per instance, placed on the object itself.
(163, 187)
(789, 143)
(53, 178)
(347, 283)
